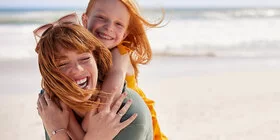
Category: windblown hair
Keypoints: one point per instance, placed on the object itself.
(56, 84)
(139, 43)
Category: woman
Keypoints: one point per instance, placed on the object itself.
(73, 64)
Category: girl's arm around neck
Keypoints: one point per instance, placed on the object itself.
(116, 76)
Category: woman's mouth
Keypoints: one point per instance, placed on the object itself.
(82, 83)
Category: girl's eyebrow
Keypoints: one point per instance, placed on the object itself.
(100, 11)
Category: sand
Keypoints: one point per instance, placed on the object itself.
(196, 98)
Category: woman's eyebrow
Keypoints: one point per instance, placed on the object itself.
(60, 57)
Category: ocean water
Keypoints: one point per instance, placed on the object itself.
(187, 32)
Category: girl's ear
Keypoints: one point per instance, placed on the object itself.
(84, 20)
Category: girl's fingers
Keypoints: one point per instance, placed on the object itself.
(118, 103)
(127, 122)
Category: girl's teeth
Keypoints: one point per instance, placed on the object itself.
(105, 36)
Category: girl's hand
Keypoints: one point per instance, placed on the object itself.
(52, 116)
(106, 123)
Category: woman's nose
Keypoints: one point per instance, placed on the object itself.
(76, 68)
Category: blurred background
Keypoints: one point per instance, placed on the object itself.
(203, 28)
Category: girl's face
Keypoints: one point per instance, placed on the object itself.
(80, 67)
(108, 21)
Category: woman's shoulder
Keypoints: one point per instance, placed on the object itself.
(141, 128)
(138, 105)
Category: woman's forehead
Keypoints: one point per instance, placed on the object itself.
(62, 53)
(71, 47)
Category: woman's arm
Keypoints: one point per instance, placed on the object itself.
(55, 125)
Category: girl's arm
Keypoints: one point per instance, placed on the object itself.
(116, 75)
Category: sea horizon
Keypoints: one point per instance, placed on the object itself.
(191, 32)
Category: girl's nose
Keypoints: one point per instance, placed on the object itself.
(109, 26)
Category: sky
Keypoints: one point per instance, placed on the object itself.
(143, 3)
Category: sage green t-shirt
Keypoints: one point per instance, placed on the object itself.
(141, 128)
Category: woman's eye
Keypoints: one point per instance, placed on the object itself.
(61, 65)
(85, 59)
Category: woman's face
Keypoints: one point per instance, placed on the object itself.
(108, 21)
(80, 67)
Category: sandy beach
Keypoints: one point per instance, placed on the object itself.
(201, 98)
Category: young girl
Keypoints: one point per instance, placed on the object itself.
(73, 64)
(118, 25)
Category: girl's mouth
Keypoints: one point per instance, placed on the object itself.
(104, 36)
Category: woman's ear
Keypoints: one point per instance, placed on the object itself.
(84, 20)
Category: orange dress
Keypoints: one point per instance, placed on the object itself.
(132, 84)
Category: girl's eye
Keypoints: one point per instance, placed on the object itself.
(100, 17)
(119, 24)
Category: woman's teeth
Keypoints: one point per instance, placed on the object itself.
(82, 83)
